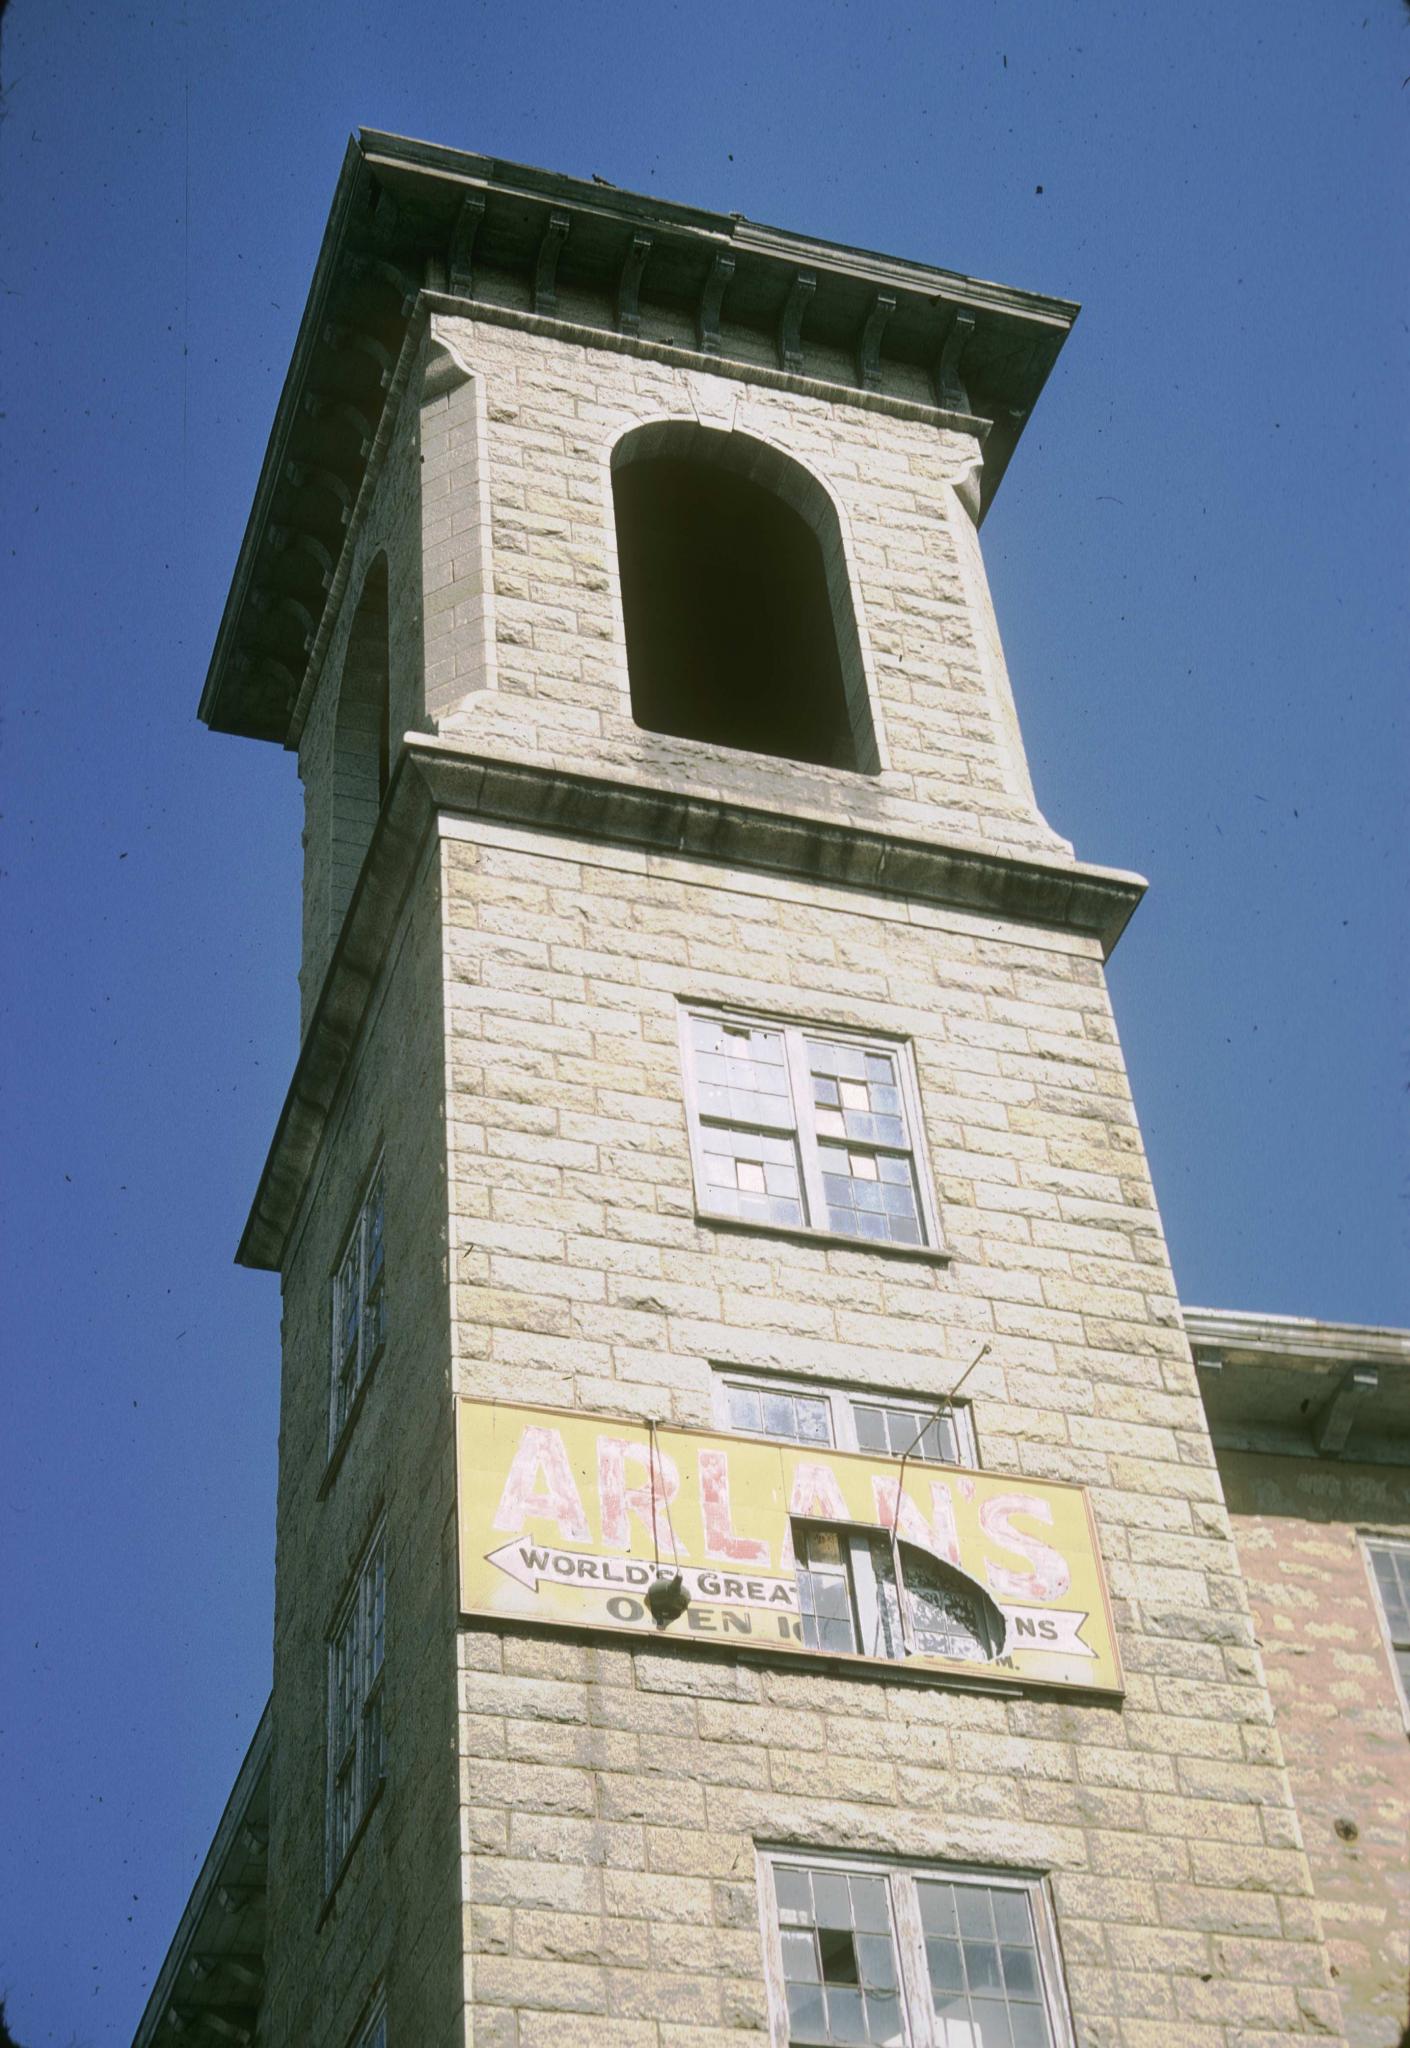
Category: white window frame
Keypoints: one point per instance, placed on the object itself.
(356, 1733)
(373, 2031)
(812, 1195)
(1371, 1542)
(357, 1277)
(840, 1396)
(920, 2028)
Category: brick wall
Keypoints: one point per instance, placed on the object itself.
(1339, 1714)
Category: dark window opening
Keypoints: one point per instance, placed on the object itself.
(731, 632)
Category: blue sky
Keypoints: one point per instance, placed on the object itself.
(1199, 565)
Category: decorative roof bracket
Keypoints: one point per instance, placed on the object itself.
(949, 386)
(460, 256)
(869, 347)
(629, 284)
(1333, 1426)
(707, 326)
(790, 326)
(546, 266)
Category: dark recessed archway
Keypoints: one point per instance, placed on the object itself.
(738, 614)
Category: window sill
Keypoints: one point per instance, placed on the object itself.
(374, 1800)
(340, 1446)
(925, 1254)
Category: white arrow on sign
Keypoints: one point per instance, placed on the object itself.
(1054, 1629)
(534, 1564)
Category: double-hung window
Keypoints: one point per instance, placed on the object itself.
(806, 1130)
(356, 1749)
(1390, 1575)
(866, 1952)
(847, 1418)
(359, 1307)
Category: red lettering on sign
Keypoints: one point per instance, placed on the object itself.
(939, 1534)
(1049, 1577)
(648, 1502)
(720, 1539)
(523, 1500)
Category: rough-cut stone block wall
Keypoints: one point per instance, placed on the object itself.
(395, 1914)
(1339, 1712)
(530, 446)
(614, 1793)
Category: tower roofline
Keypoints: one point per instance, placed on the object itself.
(411, 217)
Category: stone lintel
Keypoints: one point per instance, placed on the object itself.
(436, 777)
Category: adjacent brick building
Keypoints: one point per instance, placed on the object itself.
(709, 1168)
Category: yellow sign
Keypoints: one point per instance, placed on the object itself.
(571, 1518)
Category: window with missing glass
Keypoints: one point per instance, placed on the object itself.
(867, 1952)
(862, 1593)
(847, 1418)
(806, 1130)
(1390, 1575)
(359, 1306)
(357, 1759)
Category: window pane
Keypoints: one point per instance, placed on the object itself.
(871, 1911)
(814, 1420)
(991, 2024)
(750, 1174)
(937, 1908)
(745, 1408)
(806, 2020)
(985, 1994)
(1020, 1972)
(1013, 1916)
(1391, 1565)
(884, 2018)
(975, 1914)
(780, 1416)
(741, 1073)
(844, 2016)
(945, 1965)
(800, 1957)
(1030, 2026)
(863, 1201)
(831, 1901)
(981, 1964)
(875, 1962)
(871, 1428)
(795, 1894)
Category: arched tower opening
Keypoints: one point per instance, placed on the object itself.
(361, 738)
(736, 600)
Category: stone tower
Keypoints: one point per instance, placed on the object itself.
(709, 1171)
